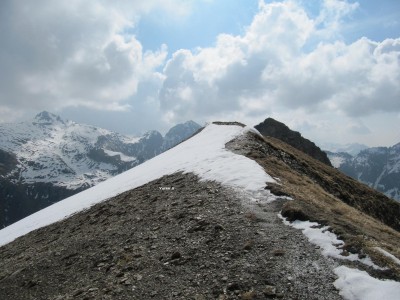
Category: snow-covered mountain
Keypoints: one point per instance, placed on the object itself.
(53, 158)
(378, 167)
(67, 154)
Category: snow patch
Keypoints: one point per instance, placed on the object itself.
(327, 240)
(354, 284)
(122, 156)
(336, 161)
(387, 254)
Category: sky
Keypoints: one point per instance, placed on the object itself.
(327, 68)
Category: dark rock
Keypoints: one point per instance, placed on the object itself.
(233, 286)
(176, 255)
(275, 129)
(279, 252)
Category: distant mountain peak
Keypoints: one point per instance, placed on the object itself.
(190, 123)
(47, 118)
(173, 136)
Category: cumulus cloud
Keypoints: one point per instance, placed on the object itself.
(276, 63)
(72, 53)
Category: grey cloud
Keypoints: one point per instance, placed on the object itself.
(243, 78)
(358, 79)
(359, 128)
(56, 54)
(187, 96)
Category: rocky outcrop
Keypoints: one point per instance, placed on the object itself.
(276, 129)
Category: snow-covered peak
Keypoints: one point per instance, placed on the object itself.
(67, 156)
(396, 147)
(46, 118)
(63, 153)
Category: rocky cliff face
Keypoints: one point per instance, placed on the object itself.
(276, 129)
(377, 167)
(48, 159)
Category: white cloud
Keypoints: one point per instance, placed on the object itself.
(274, 67)
(57, 54)
(330, 19)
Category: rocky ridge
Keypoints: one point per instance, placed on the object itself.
(276, 129)
(363, 218)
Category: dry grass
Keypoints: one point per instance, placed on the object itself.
(323, 194)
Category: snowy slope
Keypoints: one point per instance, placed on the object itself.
(353, 284)
(203, 154)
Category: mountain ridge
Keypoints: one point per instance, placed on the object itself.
(210, 228)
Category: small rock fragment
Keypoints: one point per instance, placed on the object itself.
(269, 291)
(176, 255)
